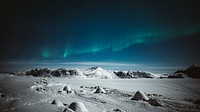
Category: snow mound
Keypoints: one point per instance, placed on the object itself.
(100, 90)
(78, 107)
(139, 95)
(67, 89)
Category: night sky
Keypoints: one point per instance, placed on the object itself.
(145, 32)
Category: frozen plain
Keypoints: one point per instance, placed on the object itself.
(35, 94)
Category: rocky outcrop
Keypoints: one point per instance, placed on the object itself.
(139, 74)
(38, 72)
(45, 72)
(121, 74)
(94, 72)
(193, 71)
(178, 75)
(133, 74)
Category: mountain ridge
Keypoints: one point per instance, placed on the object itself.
(88, 73)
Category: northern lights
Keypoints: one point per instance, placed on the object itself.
(121, 43)
(128, 31)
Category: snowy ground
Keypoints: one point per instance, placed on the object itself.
(35, 94)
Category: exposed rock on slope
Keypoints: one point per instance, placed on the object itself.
(193, 71)
(94, 72)
(133, 74)
(37, 72)
(178, 75)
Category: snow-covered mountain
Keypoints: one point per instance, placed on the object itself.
(192, 71)
(97, 72)
(92, 73)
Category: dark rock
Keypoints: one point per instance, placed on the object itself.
(121, 74)
(193, 71)
(63, 71)
(139, 74)
(93, 68)
(178, 75)
(56, 73)
(133, 74)
(197, 102)
(2, 95)
(38, 72)
(72, 72)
